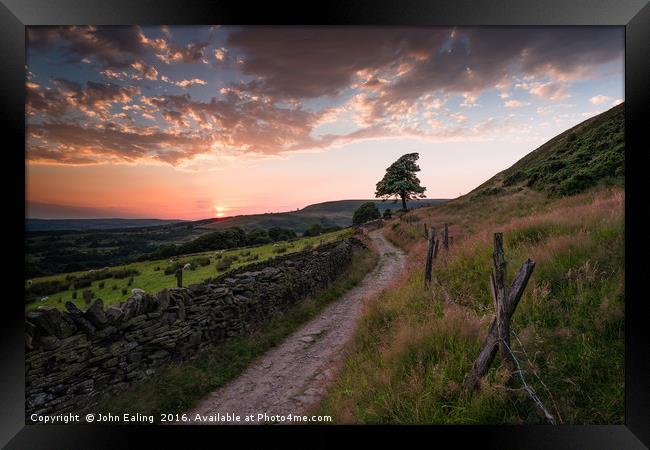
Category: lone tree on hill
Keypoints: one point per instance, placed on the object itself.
(365, 213)
(400, 180)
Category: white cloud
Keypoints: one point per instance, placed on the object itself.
(515, 104)
(550, 90)
(220, 54)
(599, 99)
(186, 83)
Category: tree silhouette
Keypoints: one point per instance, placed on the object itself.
(400, 180)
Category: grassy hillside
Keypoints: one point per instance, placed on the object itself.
(334, 213)
(151, 275)
(415, 345)
(591, 153)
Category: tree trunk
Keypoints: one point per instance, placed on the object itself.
(404, 202)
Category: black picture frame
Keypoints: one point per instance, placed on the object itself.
(634, 15)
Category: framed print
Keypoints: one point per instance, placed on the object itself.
(395, 220)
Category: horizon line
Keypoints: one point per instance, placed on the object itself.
(217, 218)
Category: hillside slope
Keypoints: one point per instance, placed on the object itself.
(591, 152)
(415, 345)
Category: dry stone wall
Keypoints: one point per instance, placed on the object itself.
(74, 358)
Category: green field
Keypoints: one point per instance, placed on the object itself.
(152, 280)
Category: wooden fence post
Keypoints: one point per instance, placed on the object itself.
(426, 232)
(179, 277)
(428, 268)
(501, 291)
(445, 238)
(505, 303)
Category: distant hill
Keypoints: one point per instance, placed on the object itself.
(92, 224)
(331, 213)
(590, 153)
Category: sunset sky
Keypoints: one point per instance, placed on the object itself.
(197, 122)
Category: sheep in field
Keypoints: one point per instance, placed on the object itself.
(187, 266)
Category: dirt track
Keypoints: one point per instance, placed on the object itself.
(292, 377)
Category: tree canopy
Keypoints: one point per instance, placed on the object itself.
(400, 180)
(365, 213)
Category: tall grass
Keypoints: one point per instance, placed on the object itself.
(413, 350)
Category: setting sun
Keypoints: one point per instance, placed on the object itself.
(219, 211)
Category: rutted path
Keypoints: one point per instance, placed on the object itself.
(292, 377)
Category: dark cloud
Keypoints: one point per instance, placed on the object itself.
(91, 98)
(76, 144)
(252, 125)
(193, 128)
(169, 52)
(143, 70)
(312, 62)
(478, 59)
(191, 52)
(390, 72)
(110, 46)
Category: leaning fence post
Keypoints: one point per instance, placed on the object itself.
(505, 303)
(430, 253)
(179, 277)
(503, 322)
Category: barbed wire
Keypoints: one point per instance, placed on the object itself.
(557, 410)
(531, 392)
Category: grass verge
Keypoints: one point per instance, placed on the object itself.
(179, 387)
(412, 350)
